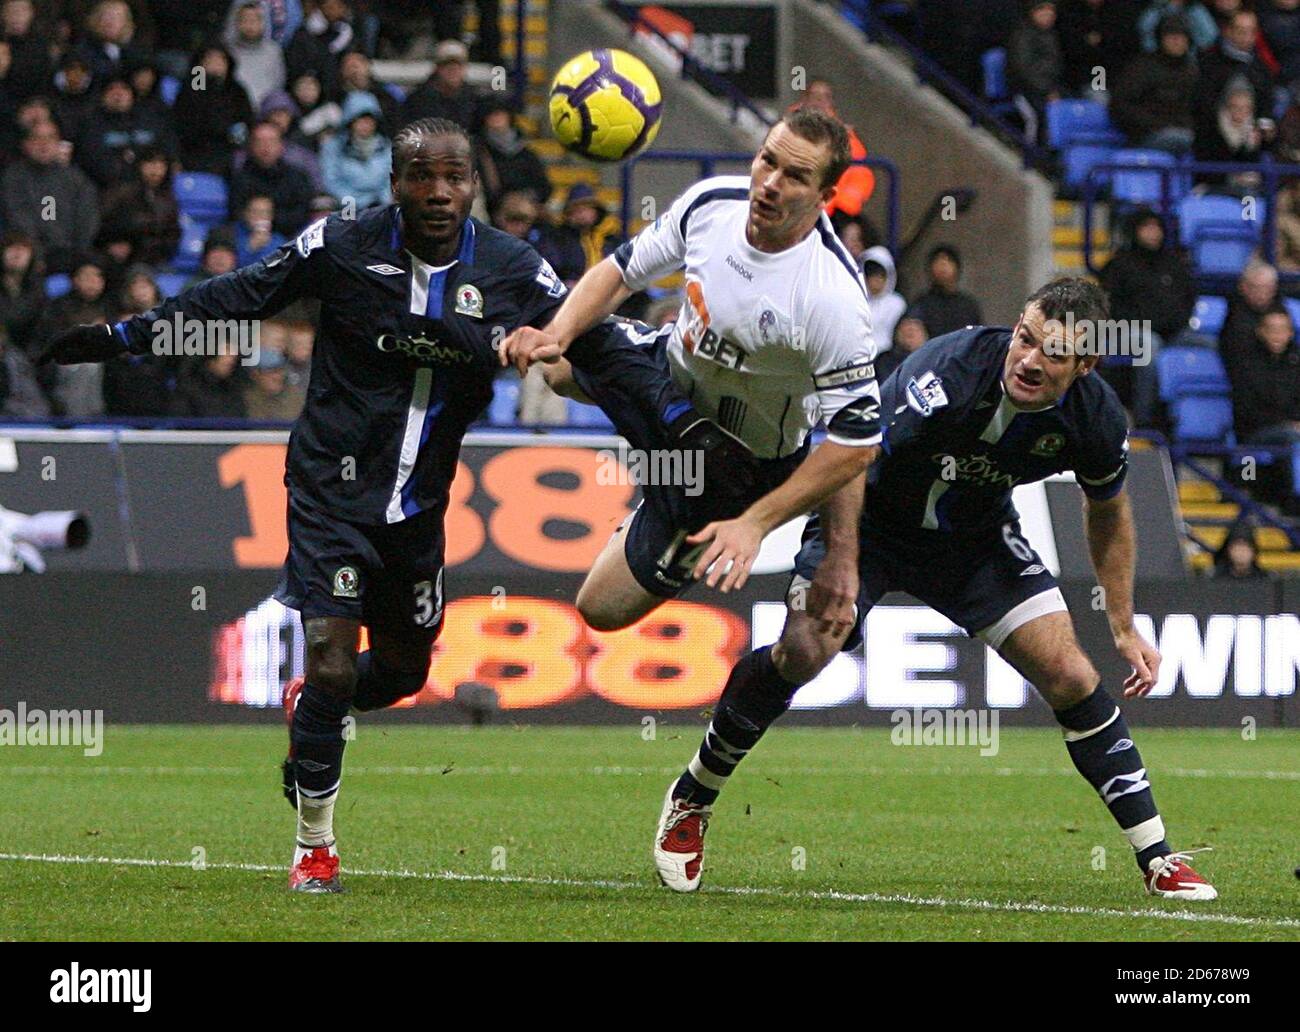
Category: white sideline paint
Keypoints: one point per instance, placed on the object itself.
(519, 770)
(1008, 906)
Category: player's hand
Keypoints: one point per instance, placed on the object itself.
(93, 343)
(731, 548)
(1145, 660)
(833, 594)
(527, 345)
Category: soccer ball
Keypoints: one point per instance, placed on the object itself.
(605, 105)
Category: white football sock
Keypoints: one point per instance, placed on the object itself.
(316, 819)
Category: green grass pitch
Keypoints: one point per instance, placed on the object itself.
(543, 833)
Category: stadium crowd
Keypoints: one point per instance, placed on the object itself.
(106, 104)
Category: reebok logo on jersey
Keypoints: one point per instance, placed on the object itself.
(735, 265)
(925, 393)
(385, 270)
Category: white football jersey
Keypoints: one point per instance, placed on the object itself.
(764, 344)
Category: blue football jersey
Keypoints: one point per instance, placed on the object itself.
(954, 446)
(404, 357)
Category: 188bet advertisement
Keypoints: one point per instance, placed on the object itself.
(166, 612)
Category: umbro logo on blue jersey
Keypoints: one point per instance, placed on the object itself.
(1120, 746)
(386, 270)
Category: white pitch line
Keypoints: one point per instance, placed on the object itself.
(907, 899)
(521, 770)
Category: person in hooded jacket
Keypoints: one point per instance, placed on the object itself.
(260, 66)
(506, 163)
(1238, 558)
(109, 143)
(142, 209)
(1266, 404)
(1148, 281)
(1152, 100)
(887, 304)
(28, 46)
(281, 110)
(1149, 285)
(212, 113)
(75, 96)
(357, 162)
(22, 288)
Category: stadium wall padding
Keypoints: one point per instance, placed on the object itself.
(167, 615)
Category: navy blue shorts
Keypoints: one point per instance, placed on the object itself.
(987, 583)
(387, 576)
(655, 541)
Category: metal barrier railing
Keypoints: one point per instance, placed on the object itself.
(708, 161)
(1270, 172)
(1189, 454)
(931, 73)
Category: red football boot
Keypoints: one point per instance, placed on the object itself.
(315, 869)
(1171, 876)
(679, 842)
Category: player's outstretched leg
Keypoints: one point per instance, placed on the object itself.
(317, 737)
(759, 690)
(1097, 737)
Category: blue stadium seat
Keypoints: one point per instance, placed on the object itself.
(1214, 228)
(1208, 315)
(1137, 187)
(201, 196)
(994, 62)
(1293, 306)
(1195, 213)
(1080, 158)
(1188, 371)
(1203, 418)
(395, 91)
(169, 87)
(587, 416)
(504, 406)
(1220, 253)
(57, 285)
(189, 255)
(1067, 120)
(171, 283)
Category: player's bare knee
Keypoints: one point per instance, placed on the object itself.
(803, 652)
(1072, 681)
(332, 670)
(599, 614)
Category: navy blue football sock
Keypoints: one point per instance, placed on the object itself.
(379, 685)
(317, 736)
(1098, 741)
(755, 695)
